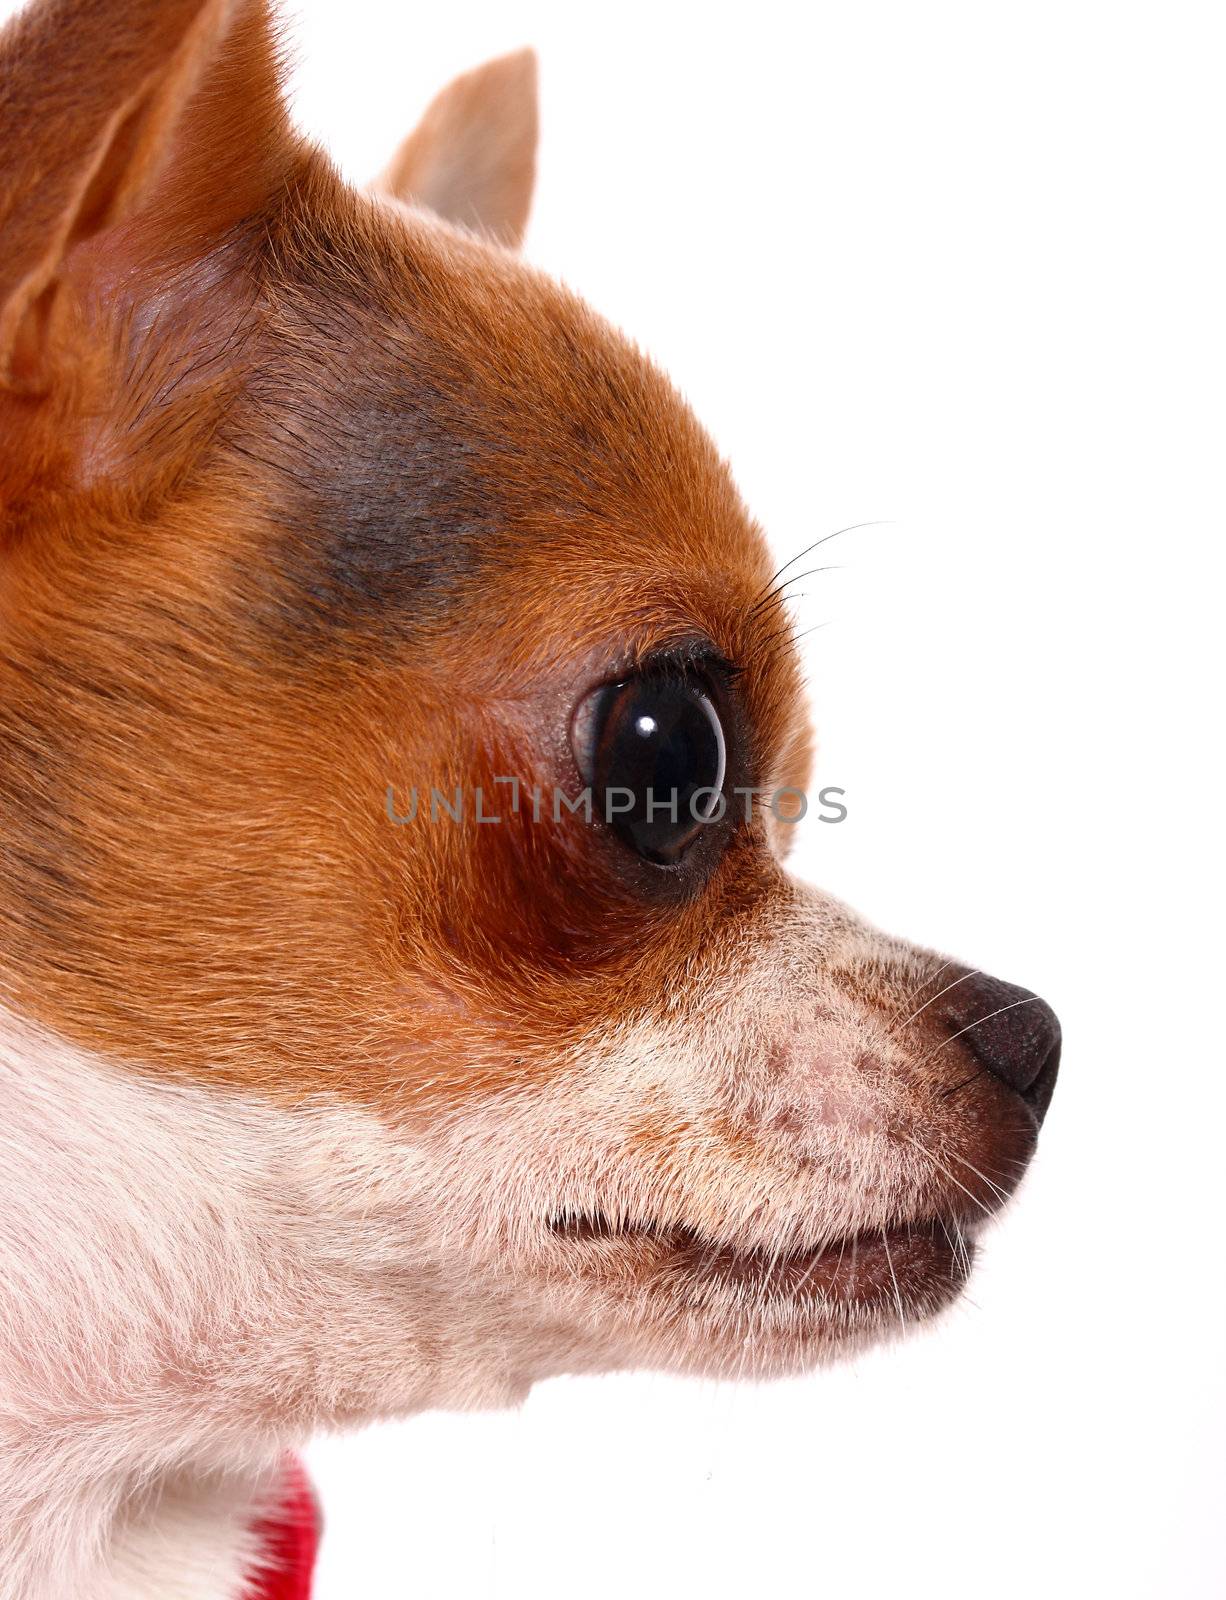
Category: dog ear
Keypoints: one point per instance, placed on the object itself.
(112, 111)
(472, 158)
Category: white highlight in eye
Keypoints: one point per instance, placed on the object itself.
(646, 726)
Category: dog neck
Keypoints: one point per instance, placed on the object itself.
(196, 1536)
(192, 1283)
(138, 1241)
(205, 1537)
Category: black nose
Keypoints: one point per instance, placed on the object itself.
(1009, 1031)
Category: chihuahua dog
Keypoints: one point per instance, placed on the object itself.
(316, 1110)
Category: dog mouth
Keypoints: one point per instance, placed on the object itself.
(905, 1268)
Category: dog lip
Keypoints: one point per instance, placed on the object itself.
(861, 1264)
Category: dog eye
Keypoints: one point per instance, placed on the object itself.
(652, 751)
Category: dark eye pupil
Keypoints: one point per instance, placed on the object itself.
(658, 764)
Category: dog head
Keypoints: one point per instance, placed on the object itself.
(325, 519)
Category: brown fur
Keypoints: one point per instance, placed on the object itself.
(472, 158)
(307, 493)
(200, 610)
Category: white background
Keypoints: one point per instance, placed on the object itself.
(958, 267)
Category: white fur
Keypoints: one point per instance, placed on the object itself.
(192, 1279)
(194, 1540)
(172, 1306)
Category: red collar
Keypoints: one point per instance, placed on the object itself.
(289, 1540)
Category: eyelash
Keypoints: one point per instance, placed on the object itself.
(683, 663)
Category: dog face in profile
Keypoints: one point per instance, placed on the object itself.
(314, 498)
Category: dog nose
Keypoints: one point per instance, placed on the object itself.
(1011, 1033)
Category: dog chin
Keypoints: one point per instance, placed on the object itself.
(673, 1299)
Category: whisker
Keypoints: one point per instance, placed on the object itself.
(960, 1234)
(789, 632)
(937, 996)
(918, 990)
(805, 632)
(776, 593)
(902, 1321)
(941, 1167)
(932, 1055)
(953, 1247)
(996, 1189)
(881, 522)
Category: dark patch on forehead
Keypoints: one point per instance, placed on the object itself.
(391, 502)
(426, 419)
